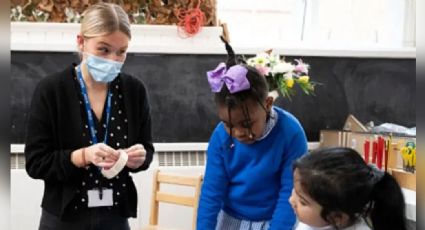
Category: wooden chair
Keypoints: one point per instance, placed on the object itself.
(165, 197)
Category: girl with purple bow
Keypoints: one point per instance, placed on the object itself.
(248, 177)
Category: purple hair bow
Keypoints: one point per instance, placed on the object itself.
(234, 78)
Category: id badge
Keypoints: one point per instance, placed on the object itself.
(94, 198)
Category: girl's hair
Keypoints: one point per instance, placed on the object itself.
(257, 92)
(340, 181)
(104, 18)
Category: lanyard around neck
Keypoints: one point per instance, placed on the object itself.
(88, 109)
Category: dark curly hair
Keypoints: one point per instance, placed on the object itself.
(257, 92)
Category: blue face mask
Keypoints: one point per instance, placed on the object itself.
(102, 69)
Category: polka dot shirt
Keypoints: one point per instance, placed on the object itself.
(117, 138)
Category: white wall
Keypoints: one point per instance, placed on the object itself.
(334, 23)
(60, 37)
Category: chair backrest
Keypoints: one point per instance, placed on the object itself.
(166, 197)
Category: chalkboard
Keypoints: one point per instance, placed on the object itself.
(183, 110)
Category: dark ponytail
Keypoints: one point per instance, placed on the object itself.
(388, 210)
(340, 181)
(231, 57)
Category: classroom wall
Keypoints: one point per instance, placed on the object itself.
(372, 89)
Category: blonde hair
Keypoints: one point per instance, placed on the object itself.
(104, 18)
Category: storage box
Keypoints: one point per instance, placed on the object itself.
(404, 179)
(356, 141)
(355, 135)
(332, 138)
(352, 124)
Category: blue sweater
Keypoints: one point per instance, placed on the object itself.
(252, 182)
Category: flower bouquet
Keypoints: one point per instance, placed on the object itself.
(282, 76)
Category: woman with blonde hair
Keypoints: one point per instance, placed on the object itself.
(89, 126)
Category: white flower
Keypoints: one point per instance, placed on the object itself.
(274, 59)
(251, 61)
(282, 75)
(282, 67)
(261, 59)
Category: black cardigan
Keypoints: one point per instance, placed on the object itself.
(54, 131)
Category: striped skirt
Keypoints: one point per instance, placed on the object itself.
(227, 222)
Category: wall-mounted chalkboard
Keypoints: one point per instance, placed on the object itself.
(379, 90)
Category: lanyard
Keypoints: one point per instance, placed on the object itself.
(90, 117)
(88, 109)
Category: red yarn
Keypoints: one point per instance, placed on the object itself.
(190, 21)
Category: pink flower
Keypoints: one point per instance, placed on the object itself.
(301, 66)
(264, 70)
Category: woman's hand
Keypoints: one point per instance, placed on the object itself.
(136, 156)
(101, 155)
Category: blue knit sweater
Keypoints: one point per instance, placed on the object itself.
(252, 181)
